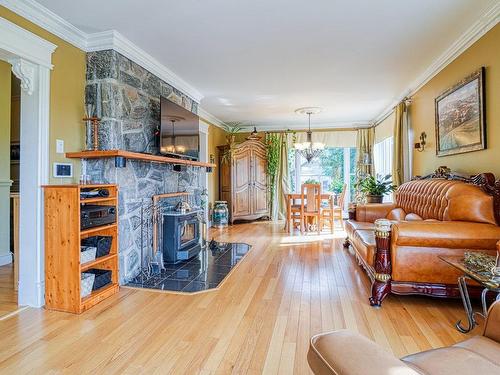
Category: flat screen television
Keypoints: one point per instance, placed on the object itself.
(179, 131)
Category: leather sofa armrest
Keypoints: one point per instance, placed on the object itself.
(492, 325)
(373, 211)
(445, 234)
(347, 353)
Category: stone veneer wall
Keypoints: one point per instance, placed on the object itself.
(127, 98)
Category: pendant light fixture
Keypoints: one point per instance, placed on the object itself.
(309, 149)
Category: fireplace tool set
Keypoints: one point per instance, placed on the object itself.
(156, 215)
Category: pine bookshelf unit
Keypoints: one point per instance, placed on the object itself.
(62, 248)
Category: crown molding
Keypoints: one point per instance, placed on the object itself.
(48, 20)
(111, 39)
(209, 118)
(489, 18)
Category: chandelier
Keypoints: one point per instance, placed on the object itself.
(174, 148)
(309, 149)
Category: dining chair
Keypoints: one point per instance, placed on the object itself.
(293, 214)
(310, 205)
(327, 209)
(339, 207)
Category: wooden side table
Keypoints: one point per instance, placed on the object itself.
(487, 282)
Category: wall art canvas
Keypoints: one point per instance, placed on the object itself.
(460, 117)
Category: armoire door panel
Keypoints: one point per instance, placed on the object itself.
(259, 183)
(241, 184)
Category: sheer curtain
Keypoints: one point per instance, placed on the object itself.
(364, 144)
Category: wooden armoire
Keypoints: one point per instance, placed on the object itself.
(243, 180)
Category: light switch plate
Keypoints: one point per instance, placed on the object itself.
(59, 146)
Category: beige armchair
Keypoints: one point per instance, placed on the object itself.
(347, 353)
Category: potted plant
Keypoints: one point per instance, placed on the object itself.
(374, 188)
(231, 128)
(311, 181)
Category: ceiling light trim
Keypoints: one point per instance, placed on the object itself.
(485, 23)
(339, 125)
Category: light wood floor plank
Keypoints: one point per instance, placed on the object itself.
(286, 289)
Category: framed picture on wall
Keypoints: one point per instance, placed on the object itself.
(460, 117)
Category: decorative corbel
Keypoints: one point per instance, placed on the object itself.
(25, 71)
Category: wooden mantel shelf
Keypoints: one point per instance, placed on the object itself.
(122, 154)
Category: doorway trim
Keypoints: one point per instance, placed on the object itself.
(31, 60)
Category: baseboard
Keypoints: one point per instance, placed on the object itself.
(5, 259)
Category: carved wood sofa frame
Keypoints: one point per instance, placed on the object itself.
(381, 272)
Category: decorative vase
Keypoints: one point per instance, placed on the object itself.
(374, 198)
(220, 214)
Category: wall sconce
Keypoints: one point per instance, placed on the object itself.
(420, 146)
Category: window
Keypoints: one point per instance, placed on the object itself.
(335, 167)
(382, 159)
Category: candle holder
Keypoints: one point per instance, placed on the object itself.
(92, 123)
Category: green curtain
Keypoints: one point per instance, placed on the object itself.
(277, 144)
(364, 145)
(283, 185)
(398, 164)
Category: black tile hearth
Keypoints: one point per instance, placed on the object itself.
(203, 272)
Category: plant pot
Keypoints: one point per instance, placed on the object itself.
(374, 198)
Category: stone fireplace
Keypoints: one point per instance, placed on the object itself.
(127, 98)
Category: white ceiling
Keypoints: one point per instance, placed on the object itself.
(257, 61)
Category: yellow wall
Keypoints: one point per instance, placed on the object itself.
(4, 158)
(385, 129)
(485, 52)
(67, 87)
(216, 137)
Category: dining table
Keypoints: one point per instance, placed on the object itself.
(292, 197)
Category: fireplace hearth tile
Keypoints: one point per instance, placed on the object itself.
(204, 272)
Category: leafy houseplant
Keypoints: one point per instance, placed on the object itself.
(337, 185)
(231, 129)
(311, 181)
(374, 188)
(273, 146)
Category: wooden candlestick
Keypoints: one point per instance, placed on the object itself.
(95, 124)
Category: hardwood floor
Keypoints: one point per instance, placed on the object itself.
(260, 321)
(8, 296)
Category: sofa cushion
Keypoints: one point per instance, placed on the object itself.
(451, 361)
(347, 353)
(413, 217)
(363, 242)
(373, 211)
(351, 226)
(397, 214)
(483, 346)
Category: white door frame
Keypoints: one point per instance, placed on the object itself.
(30, 57)
(203, 131)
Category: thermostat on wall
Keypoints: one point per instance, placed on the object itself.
(63, 170)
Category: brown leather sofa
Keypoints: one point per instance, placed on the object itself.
(431, 217)
(346, 353)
